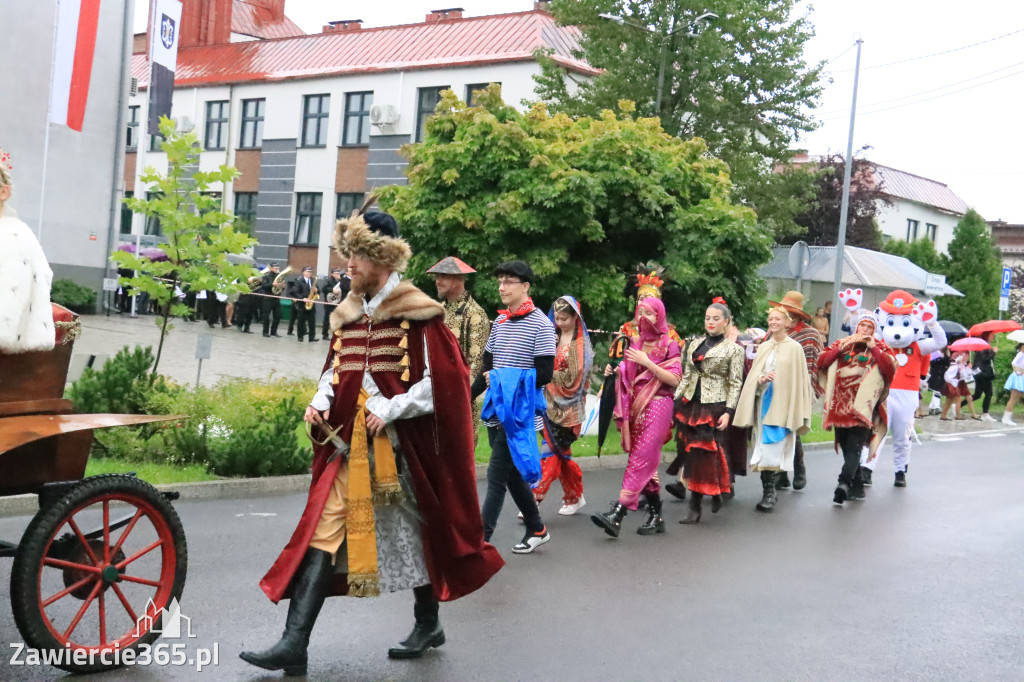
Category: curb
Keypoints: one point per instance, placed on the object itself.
(18, 505)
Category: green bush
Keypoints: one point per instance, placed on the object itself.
(75, 297)
(122, 386)
(267, 448)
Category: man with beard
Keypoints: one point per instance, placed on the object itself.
(392, 504)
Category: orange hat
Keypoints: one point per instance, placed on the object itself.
(898, 302)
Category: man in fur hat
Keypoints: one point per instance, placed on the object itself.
(393, 502)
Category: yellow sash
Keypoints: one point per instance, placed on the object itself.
(363, 491)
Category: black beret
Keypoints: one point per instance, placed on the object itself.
(515, 268)
(381, 223)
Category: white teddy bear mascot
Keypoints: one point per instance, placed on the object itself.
(902, 321)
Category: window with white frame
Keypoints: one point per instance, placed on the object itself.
(132, 140)
(348, 202)
(426, 101)
(253, 113)
(307, 218)
(931, 231)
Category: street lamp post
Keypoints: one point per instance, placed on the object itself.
(692, 27)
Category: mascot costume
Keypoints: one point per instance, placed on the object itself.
(902, 324)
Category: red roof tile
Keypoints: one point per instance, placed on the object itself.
(459, 42)
(256, 21)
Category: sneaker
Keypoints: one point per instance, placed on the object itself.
(901, 479)
(989, 418)
(570, 509)
(1007, 420)
(531, 541)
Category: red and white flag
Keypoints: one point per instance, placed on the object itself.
(77, 21)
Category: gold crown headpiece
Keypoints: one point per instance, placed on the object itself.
(649, 285)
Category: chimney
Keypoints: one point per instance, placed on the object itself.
(541, 5)
(443, 14)
(343, 25)
(274, 7)
(205, 22)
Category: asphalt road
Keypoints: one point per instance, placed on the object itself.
(923, 583)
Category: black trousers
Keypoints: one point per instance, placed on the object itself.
(242, 317)
(851, 440)
(271, 315)
(502, 475)
(325, 331)
(306, 319)
(983, 387)
(799, 468)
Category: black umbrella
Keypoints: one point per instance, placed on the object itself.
(954, 330)
(604, 415)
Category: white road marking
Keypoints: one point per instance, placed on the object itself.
(946, 440)
(257, 514)
(993, 435)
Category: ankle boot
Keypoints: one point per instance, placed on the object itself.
(693, 514)
(611, 520)
(767, 502)
(676, 489)
(427, 631)
(311, 583)
(654, 523)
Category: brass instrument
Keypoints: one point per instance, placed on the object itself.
(279, 284)
(334, 296)
(314, 295)
(256, 281)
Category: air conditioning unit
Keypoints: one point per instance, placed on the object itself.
(383, 114)
(133, 87)
(184, 124)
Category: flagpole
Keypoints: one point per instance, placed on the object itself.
(139, 219)
(46, 135)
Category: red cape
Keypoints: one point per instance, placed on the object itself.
(438, 451)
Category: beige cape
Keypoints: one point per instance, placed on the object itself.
(791, 396)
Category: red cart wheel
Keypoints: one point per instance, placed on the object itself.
(97, 570)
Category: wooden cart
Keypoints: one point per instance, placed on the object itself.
(102, 560)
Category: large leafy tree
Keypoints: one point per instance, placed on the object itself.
(975, 269)
(583, 201)
(920, 252)
(198, 236)
(820, 218)
(739, 82)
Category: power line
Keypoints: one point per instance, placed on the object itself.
(928, 99)
(936, 54)
(925, 92)
(852, 45)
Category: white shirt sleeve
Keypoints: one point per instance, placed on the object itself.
(324, 392)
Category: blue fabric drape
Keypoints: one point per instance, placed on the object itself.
(770, 434)
(513, 398)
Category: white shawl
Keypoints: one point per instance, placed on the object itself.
(26, 319)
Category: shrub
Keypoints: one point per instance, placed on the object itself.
(267, 448)
(72, 296)
(122, 386)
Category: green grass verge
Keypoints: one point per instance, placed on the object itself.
(150, 473)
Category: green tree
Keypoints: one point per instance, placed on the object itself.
(921, 253)
(975, 269)
(739, 81)
(198, 235)
(582, 200)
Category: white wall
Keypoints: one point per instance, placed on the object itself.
(892, 220)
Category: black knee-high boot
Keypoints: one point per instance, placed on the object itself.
(767, 502)
(309, 590)
(427, 631)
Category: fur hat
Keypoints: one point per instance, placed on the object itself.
(375, 236)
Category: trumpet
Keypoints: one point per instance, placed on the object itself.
(314, 295)
(279, 283)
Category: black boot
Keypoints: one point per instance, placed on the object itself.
(693, 514)
(427, 631)
(716, 503)
(901, 479)
(865, 476)
(782, 481)
(611, 520)
(654, 523)
(767, 502)
(311, 583)
(842, 493)
(676, 489)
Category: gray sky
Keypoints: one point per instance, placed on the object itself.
(943, 117)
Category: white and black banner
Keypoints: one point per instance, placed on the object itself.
(163, 56)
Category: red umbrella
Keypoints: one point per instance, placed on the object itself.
(997, 326)
(969, 343)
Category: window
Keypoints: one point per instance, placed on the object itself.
(426, 102)
(253, 111)
(357, 118)
(315, 110)
(152, 222)
(216, 125)
(307, 218)
(127, 214)
(931, 231)
(245, 212)
(348, 202)
(471, 88)
(132, 143)
(912, 229)
(155, 142)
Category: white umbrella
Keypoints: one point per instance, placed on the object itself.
(1017, 336)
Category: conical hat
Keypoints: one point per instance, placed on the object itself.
(450, 266)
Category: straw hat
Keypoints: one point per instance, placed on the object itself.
(793, 302)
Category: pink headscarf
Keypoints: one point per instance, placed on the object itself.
(648, 332)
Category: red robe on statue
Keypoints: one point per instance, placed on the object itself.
(437, 448)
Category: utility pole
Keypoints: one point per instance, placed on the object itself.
(838, 308)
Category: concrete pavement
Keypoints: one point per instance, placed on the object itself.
(921, 583)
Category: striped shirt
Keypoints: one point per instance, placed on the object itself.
(517, 342)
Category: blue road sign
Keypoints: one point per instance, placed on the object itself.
(1004, 290)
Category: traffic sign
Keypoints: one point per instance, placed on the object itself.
(1004, 290)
